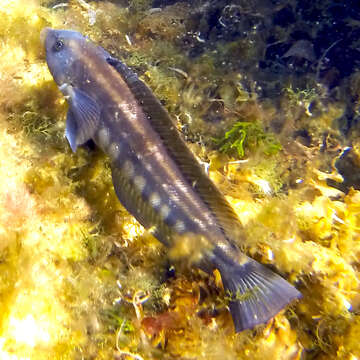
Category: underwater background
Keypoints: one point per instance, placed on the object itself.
(267, 94)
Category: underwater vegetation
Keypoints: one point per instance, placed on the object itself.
(278, 85)
(247, 134)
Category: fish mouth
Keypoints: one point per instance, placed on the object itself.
(43, 34)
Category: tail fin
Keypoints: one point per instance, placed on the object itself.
(257, 293)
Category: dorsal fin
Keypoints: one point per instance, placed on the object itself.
(189, 166)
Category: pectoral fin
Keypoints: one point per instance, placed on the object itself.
(82, 118)
(71, 130)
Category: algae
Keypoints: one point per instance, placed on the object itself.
(246, 134)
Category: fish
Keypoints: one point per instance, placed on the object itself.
(155, 175)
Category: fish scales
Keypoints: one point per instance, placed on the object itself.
(141, 146)
(155, 175)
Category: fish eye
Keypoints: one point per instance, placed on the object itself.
(59, 44)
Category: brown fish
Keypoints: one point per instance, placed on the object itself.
(155, 175)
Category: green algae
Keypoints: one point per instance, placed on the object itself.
(247, 135)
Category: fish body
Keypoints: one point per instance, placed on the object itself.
(155, 175)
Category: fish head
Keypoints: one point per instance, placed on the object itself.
(64, 49)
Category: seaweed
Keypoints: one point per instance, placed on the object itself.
(247, 135)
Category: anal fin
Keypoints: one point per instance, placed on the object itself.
(140, 208)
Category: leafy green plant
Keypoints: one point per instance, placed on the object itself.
(244, 134)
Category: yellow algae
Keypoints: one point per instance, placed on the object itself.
(247, 208)
(30, 319)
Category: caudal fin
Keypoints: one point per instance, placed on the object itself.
(257, 293)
